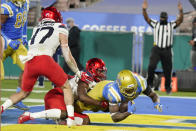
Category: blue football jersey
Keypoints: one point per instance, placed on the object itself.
(111, 93)
(13, 27)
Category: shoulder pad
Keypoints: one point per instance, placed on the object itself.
(62, 28)
(6, 10)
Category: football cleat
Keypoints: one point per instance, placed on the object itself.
(24, 117)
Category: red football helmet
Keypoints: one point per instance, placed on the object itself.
(51, 13)
(96, 67)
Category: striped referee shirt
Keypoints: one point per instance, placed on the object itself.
(163, 34)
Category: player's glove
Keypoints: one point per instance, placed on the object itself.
(131, 107)
(78, 74)
(70, 121)
(86, 78)
(104, 104)
(24, 41)
(158, 106)
(14, 44)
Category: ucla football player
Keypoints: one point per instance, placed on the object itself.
(14, 35)
(124, 90)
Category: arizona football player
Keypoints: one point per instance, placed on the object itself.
(46, 37)
(124, 90)
(54, 102)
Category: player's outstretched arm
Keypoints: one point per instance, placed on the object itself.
(67, 54)
(145, 14)
(180, 18)
(155, 98)
(83, 97)
(118, 114)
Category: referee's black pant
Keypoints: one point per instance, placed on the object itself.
(165, 56)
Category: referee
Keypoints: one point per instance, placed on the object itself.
(163, 40)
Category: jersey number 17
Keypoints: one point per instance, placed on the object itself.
(47, 35)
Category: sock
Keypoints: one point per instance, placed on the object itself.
(18, 89)
(52, 113)
(70, 110)
(7, 104)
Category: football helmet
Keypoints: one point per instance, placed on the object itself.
(97, 69)
(127, 84)
(51, 13)
(19, 3)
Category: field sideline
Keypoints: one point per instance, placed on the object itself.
(178, 114)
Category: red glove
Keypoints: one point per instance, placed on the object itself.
(104, 104)
(86, 78)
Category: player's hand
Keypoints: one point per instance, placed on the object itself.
(180, 6)
(70, 121)
(14, 44)
(78, 74)
(104, 104)
(158, 106)
(24, 41)
(131, 108)
(145, 4)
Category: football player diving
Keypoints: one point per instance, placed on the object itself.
(124, 90)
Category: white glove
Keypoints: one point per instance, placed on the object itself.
(78, 74)
(70, 121)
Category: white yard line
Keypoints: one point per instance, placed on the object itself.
(27, 100)
(35, 91)
(6, 124)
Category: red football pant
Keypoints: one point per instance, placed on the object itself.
(42, 65)
(54, 99)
